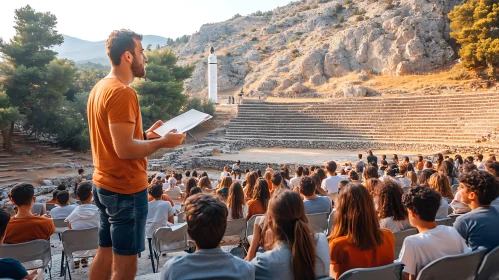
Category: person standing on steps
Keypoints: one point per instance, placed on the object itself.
(119, 151)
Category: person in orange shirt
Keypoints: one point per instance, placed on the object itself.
(119, 151)
(54, 198)
(356, 240)
(276, 180)
(25, 226)
(261, 196)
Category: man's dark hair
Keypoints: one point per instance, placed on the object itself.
(187, 173)
(331, 166)
(206, 218)
(80, 171)
(370, 152)
(480, 157)
(307, 186)
(423, 201)
(119, 42)
(492, 167)
(22, 194)
(276, 178)
(84, 190)
(470, 159)
(299, 171)
(360, 156)
(156, 190)
(483, 184)
(354, 176)
(61, 187)
(63, 197)
(4, 220)
(54, 194)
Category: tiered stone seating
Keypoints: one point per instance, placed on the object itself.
(443, 119)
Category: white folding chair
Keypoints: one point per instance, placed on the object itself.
(488, 269)
(250, 226)
(79, 243)
(454, 188)
(399, 239)
(49, 207)
(456, 267)
(175, 195)
(443, 222)
(166, 240)
(318, 222)
(235, 228)
(180, 217)
(452, 219)
(391, 271)
(32, 255)
(330, 222)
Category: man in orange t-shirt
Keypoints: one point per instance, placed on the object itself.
(119, 151)
(25, 226)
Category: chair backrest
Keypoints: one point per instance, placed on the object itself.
(28, 253)
(330, 222)
(443, 222)
(174, 195)
(181, 217)
(59, 223)
(462, 266)
(399, 239)
(236, 227)
(49, 206)
(166, 240)
(452, 219)
(250, 224)
(318, 222)
(391, 271)
(74, 240)
(488, 269)
(454, 188)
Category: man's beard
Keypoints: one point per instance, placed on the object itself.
(138, 71)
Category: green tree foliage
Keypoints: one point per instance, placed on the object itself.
(204, 105)
(475, 26)
(160, 93)
(8, 115)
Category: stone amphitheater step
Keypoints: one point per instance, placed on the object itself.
(8, 180)
(56, 152)
(67, 155)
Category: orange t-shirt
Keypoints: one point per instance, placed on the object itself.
(113, 102)
(53, 201)
(348, 256)
(164, 197)
(254, 208)
(20, 230)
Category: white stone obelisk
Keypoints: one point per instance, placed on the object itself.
(212, 76)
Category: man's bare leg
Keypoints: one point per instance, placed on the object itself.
(102, 264)
(124, 267)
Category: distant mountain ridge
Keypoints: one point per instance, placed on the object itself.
(82, 51)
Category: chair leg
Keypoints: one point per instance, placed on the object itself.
(157, 260)
(63, 271)
(69, 270)
(152, 256)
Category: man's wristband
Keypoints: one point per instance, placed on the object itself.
(144, 135)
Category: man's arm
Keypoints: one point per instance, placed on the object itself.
(127, 147)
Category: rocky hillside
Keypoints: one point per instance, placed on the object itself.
(305, 45)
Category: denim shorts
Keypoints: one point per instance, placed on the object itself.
(122, 220)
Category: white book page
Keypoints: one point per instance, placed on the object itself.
(183, 123)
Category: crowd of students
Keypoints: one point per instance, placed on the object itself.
(369, 204)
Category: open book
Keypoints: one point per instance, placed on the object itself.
(183, 123)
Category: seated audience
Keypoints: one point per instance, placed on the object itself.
(492, 167)
(189, 185)
(225, 173)
(187, 177)
(160, 212)
(395, 159)
(447, 169)
(223, 188)
(318, 183)
(85, 215)
(236, 204)
(10, 268)
(251, 179)
(480, 227)
(407, 163)
(360, 164)
(425, 175)
(458, 163)
(354, 177)
(25, 226)
(297, 253)
(165, 197)
(330, 184)
(260, 200)
(356, 240)
(277, 181)
(391, 211)
(371, 185)
(439, 160)
(370, 172)
(343, 183)
(428, 165)
(313, 203)
(413, 178)
(195, 190)
(392, 174)
(420, 165)
(206, 219)
(432, 241)
(64, 208)
(440, 184)
(54, 198)
(479, 162)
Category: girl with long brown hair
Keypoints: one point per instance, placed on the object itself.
(260, 200)
(205, 184)
(297, 253)
(235, 202)
(391, 211)
(268, 177)
(318, 182)
(356, 239)
(189, 185)
(440, 184)
(223, 188)
(250, 184)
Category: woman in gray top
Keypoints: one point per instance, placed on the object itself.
(296, 255)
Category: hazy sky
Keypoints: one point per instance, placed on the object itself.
(95, 19)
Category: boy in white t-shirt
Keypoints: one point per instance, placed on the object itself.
(160, 212)
(85, 215)
(64, 208)
(225, 173)
(432, 241)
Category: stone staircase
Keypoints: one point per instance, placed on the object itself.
(443, 119)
